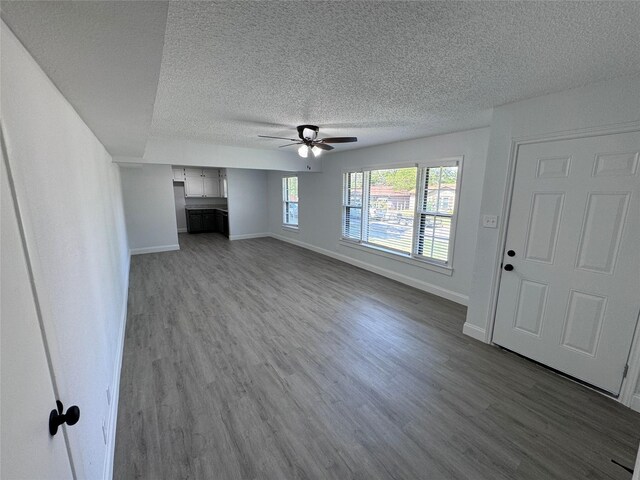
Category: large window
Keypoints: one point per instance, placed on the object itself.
(290, 202)
(408, 211)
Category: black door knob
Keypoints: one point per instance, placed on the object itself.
(511, 253)
(508, 267)
(57, 418)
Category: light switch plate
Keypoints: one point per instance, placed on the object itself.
(490, 221)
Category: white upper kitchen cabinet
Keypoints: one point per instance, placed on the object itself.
(211, 185)
(178, 174)
(202, 182)
(193, 172)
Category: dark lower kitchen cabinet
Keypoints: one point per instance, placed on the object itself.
(194, 222)
(222, 222)
(225, 226)
(209, 222)
(219, 221)
(201, 220)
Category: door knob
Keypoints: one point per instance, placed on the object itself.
(511, 253)
(508, 267)
(57, 418)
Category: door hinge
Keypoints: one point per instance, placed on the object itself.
(625, 371)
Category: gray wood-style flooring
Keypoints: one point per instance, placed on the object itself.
(257, 359)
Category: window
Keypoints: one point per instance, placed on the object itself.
(408, 211)
(438, 188)
(290, 202)
(392, 194)
(352, 206)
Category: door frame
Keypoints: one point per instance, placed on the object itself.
(631, 382)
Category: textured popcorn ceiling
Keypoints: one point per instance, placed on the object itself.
(103, 56)
(382, 71)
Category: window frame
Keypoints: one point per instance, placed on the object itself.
(346, 205)
(421, 191)
(286, 202)
(414, 258)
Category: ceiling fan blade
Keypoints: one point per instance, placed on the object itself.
(279, 138)
(339, 140)
(289, 144)
(323, 146)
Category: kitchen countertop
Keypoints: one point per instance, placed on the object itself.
(206, 207)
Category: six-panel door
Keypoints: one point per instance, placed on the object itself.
(572, 299)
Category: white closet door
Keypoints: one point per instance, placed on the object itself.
(27, 396)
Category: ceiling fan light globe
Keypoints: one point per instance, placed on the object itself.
(316, 151)
(303, 151)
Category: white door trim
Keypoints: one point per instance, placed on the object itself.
(630, 382)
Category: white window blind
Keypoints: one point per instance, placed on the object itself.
(352, 205)
(439, 186)
(409, 211)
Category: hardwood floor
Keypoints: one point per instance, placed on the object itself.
(258, 359)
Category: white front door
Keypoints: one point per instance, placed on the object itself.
(572, 299)
(26, 448)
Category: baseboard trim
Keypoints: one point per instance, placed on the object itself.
(635, 402)
(160, 248)
(474, 332)
(115, 383)
(183, 230)
(399, 277)
(247, 236)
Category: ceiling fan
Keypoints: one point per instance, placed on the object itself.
(309, 141)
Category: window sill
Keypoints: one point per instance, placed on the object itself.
(398, 256)
(290, 228)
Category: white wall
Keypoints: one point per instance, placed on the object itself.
(209, 201)
(321, 196)
(191, 152)
(149, 207)
(247, 201)
(68, 191)
(613, 104)
(607, 103)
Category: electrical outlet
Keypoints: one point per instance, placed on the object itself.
(104, 431)
(490, 221)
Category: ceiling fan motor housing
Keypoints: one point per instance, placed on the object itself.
(308, 133)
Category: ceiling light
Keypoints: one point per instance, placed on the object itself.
(316, 151)
(303, 151)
